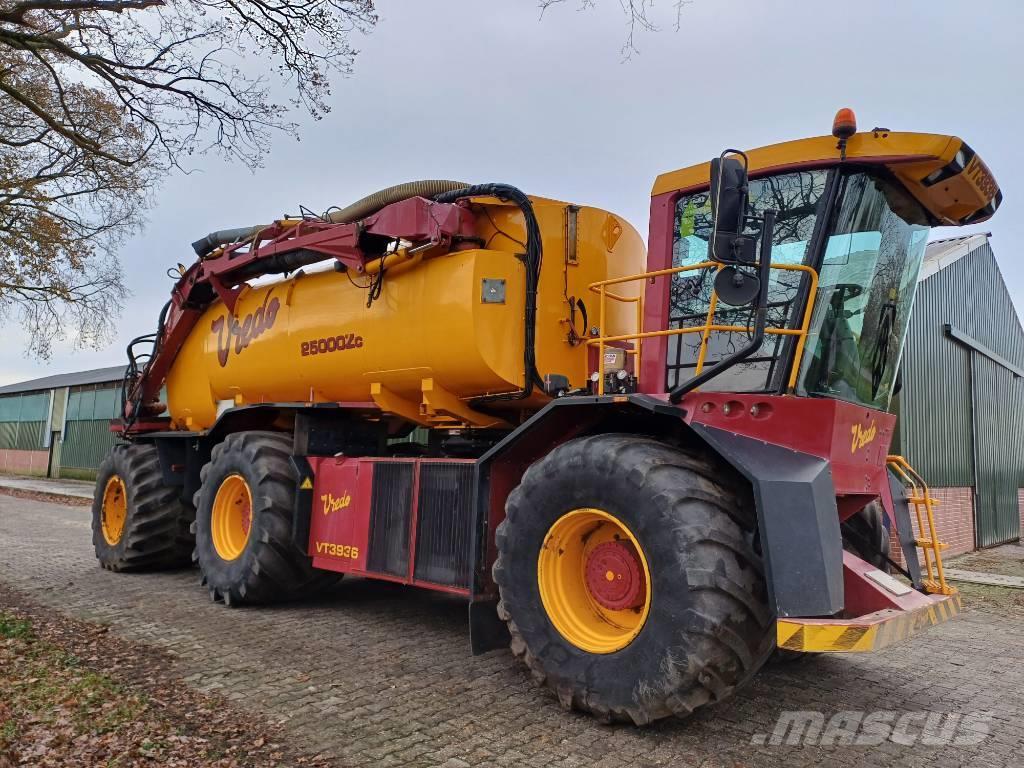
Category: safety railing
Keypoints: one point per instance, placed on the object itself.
(709, 326)
(934, 578)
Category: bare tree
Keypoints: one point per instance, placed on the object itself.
(100, 99)
(638, 17)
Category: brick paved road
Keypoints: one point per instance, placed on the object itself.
(382, 675)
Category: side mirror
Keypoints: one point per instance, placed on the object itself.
(729, 208)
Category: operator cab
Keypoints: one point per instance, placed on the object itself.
(855, 208)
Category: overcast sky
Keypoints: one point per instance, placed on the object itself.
(485, 91)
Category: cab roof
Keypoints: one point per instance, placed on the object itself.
(948, 178)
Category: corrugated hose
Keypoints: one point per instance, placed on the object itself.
(360, 209)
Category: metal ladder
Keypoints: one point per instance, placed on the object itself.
(934, 581)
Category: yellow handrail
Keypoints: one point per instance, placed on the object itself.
(709, 326)
(927, 539)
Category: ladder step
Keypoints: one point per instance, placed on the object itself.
(919, 496)
(933, 587)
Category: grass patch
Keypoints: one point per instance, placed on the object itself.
(13, 628)
(78, 474)
(48, 697)
(1002, 601)
(990, 561)
(47, 685)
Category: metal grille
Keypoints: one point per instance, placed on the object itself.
(390, 517)
(444, 523)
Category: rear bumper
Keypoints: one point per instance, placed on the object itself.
(870, 632)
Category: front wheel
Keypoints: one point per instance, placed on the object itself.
(629, 578)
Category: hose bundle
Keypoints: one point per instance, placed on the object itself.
(532, 259)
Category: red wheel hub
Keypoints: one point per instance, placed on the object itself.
(615, 577)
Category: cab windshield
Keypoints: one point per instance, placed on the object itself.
(867, 277)
(865, 293)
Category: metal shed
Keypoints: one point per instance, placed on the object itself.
(59, 425)
(962, 404)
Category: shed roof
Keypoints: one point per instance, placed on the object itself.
(94, 376)
(939, 254)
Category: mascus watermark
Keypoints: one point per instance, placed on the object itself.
(868, 729)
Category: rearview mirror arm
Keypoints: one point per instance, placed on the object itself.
(760, 318)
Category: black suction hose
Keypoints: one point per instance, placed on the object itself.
(533, 257)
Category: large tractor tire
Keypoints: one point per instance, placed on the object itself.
(243, 523)
(138, 523)
(629, 578)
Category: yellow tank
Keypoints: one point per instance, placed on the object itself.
(447, 326)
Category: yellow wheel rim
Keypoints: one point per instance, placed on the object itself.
(114, 510)
(231, 518)
(594, 581)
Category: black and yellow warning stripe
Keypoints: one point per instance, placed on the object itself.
(859, 636)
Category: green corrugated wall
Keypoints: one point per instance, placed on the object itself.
(87, 436)
(85, 444)
(23, 420)
(961, 414)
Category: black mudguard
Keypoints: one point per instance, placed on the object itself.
(797, 519)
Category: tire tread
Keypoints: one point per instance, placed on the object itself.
(709, 514)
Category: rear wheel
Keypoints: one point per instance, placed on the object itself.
(138, 523)
(629, 579)
(244, 523)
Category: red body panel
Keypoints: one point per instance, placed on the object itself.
(853, 438)
(659, 256)
(864, 596)
(339, 528)
(341, 518)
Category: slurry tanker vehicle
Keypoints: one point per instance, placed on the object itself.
(645, 471)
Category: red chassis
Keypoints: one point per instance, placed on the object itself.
(348, 497)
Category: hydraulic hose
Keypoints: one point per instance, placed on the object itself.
(534, 255)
